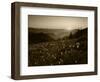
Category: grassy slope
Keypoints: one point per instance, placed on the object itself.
(61, 52)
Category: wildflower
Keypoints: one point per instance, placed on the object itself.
(75, 61)
(77, 44)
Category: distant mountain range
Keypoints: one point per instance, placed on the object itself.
(42, 35)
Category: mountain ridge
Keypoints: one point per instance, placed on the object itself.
(40, 35)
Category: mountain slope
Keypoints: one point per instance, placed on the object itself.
(72, 50)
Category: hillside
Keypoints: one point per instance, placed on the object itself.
(37, 35)
(69, 50)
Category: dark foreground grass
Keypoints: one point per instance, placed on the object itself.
(58, 52)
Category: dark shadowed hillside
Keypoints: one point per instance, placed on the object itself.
(79, 33)
(38, 37)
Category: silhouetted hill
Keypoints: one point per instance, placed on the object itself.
(79, 33)
(38, 37)
(76, 33)
(53, 33)
(44, 35)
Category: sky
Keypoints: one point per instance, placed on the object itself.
(57, 22)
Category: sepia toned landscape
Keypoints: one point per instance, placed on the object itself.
(55, 40)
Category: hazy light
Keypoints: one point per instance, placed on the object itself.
(57, 22)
